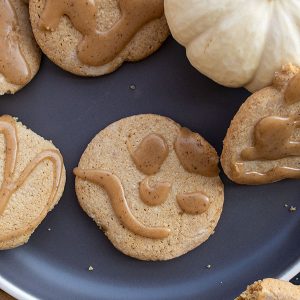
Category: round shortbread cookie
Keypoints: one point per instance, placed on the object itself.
(271, 289)
(18, 45)
(32, 180)
(140, 148)
(60, 43)
(262, 144)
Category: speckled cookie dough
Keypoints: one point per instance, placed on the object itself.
(271, 289)
(152, 187)
(95, 37)
(262, 144)
(19, 54)
(32, 181)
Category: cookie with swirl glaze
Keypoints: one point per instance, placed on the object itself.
(32, 180)
(271, 289)
(95, 37)
(152, 186)
(20, 55)
(262, 144)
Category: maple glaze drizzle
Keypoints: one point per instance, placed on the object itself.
(99, 48)
(195, 154)
(113, 186)
(193, 203)
(273, 175)
(150, 153)
(10, 186)
(13, 65)
(272, 139)
(155, 195)
(292, 92)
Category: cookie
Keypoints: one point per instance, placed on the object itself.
(32, 181)
(95, 37)
(19, 54)
(4, 296)
(151, 186)
(271, 289)
(262, 144)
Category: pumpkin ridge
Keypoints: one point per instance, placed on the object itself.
(268, 32)
(278, 14)
(211, 36)
(187, 40)
(237, 43)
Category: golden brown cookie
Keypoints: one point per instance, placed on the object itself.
(32, 181)
(151, 186)
(94, 37)
(271, 289)
(262, 144)
(4, 296)
(19, 54)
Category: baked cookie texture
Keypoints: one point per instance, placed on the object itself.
(29, 201)
(19, 31)
(4, 296)
(271, 289)
(115, 150)
(262, 144)
(61, 44)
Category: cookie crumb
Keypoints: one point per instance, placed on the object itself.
(132, 87)
(208, 266)
(91, 268)
(293, 209)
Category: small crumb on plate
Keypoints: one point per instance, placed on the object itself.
(132, 87)
(91, 268)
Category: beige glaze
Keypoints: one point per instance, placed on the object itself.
(156, 194)
(292, 93)
(193, 203)
(150, 154)
(13, 65)
(275, 174)
(9, 186)
(272, 139)
(112, 185)
(195, 154)
(99, 48)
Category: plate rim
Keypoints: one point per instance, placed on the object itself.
(291, 272)
(14, 290)
(18, 293)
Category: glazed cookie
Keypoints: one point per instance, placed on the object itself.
(19, 54)
(151, 186)
(271, 289)
(94, 37)
(262, 144)
(32, 181)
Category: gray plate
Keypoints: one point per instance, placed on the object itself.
(257, 236)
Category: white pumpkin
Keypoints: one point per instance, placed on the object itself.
(237, 42)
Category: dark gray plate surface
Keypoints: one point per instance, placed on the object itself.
(256, 237)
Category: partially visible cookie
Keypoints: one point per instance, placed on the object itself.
(271, 289)
(32, 180)
(4, 296)
(92, 38)
(152, 186)
(19, 54)
(262, 144)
